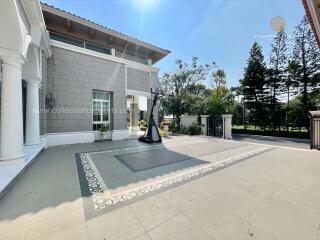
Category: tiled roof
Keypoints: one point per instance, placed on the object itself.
(109, 29)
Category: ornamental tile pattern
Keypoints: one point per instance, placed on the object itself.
(102, 200)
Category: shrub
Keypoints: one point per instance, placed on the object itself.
(163, 133)
(168, 123)
(104, 128)
(194, 129)
(183, 130)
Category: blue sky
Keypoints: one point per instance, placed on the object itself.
(220, 31)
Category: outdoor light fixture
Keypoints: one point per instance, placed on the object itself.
(50, 101)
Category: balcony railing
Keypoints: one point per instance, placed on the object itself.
(97, 48)
(79, 43)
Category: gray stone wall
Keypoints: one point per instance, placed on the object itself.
(42, 100)
(71, 78)
(138, 80)
(154, 80)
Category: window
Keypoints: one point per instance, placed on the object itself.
(101, 110)
(79, 43)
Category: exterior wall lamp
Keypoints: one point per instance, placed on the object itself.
(50, 101)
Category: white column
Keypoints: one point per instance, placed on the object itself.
(11, 128)
(204, 124)
(113, 52)
(134, 115)
(32, 113)
(227, 126)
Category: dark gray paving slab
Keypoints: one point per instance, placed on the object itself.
(141, 161)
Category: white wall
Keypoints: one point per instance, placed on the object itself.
(188, 120)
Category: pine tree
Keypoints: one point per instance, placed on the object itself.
(306, 56)
(290, 87)
(253, 85)
(277, 72)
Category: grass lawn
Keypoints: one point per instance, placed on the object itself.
(292, 133)
(251, 127)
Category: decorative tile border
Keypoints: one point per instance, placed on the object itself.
(102, 200)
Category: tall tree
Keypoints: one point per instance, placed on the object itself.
(182, 82)
(196, 99)
(306, 56)
(253, 85)
(237, 92)
(277, 72)
(289, 86)
(218, 79)
(220, 101)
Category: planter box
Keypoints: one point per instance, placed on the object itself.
(105, 135)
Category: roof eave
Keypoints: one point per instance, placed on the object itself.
(312, 17)
(93, 25)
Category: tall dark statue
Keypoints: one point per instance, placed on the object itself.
(152, 134)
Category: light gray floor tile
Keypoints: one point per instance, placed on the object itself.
(115, 225)
(144, 236)
(182, 198)
(52, 225)
(214, 220)
(286, 220)
(178, 228)
(236, 202)
(77, 233)
(249, 231)
(153, 211)
(46, 203)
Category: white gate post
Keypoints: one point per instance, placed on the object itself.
(227, 126)
(204, 124)
(315, 129)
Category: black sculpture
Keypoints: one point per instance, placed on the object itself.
(152, 135)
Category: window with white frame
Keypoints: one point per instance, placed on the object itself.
(101, 110)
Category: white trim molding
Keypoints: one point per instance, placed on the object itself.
(120, 134)
(313, 13)
(57, 139)
(131, 64)
(44, 141)
(39, 34)
(64, 138)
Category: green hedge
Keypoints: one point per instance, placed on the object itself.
(302, 135)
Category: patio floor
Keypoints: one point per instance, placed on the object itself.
(186, 188)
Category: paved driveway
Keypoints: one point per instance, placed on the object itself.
(192, 188)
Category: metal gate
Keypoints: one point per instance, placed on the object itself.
(214, 125)
(315, 132)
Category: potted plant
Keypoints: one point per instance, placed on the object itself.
(165, 126)
(143, 125)
(104, 131)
